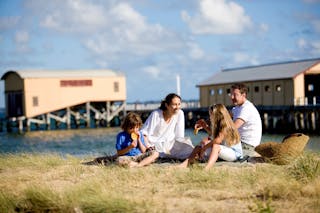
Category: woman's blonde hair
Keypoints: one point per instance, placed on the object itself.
(222, 123)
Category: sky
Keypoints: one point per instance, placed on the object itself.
(152, 42)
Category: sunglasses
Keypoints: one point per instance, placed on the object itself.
(211, 108)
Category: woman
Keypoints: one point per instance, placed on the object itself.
(225, 143)
(164, 131)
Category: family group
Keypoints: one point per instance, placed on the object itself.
(232, 136)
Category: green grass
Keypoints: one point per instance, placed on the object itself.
(306, 168)
(51, 183)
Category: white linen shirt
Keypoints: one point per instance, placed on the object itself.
(162, 135)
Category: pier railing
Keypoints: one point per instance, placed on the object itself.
(303, 117)
(307, 101)
(151, 105)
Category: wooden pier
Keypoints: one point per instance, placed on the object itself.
(87, 115)
(275, 119)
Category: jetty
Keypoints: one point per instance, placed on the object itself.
(54, 99)
(275, 119)
(286, 94)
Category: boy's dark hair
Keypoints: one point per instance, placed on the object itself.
(240, 86)
(131, 120)
(168, 100)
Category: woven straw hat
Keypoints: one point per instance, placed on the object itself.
(282, 153)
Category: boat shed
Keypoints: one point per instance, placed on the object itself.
(41, 96)
(278, 84)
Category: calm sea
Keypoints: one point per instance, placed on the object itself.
(91, 142)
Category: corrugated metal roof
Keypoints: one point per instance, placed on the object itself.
(282, 70)
(63, 73)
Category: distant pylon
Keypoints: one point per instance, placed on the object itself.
(178, 84)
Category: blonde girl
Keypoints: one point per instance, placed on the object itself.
(223, 142)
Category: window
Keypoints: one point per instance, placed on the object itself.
(278, 88)
(256, 89)
(35, 101)
(310, 87)
(116, 86)
(211, 92)
(267, 89)
(220, 91)
(229, 92)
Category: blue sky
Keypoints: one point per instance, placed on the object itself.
(153, 41)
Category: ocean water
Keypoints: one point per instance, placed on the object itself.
(92, 142)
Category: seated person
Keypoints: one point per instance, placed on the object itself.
(223, 142)
(130, 144)
(247, 119)
(164, 130)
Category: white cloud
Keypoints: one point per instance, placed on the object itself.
(243, 58)
(128, 33)
(22, 37)
(195, 51)
(127, 23)
(109, 29)
(105, 27)
(218, 17)
(311, 47)
(153, 71)
(22, 41)
(75, 16)
(112, 30)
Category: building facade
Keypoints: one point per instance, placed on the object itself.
(280, 84)
(33, 93)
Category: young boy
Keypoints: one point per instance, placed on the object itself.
(130, 145)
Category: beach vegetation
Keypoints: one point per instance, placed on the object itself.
(55, 183)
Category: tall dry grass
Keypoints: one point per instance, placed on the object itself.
(51, 183)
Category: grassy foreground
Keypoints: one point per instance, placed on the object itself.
(50, 183)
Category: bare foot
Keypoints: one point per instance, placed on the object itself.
(183, 165)
(133, 164)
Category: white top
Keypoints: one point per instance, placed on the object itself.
(162, 135)
(251, 131)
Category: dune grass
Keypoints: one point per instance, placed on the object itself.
(51, 183)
